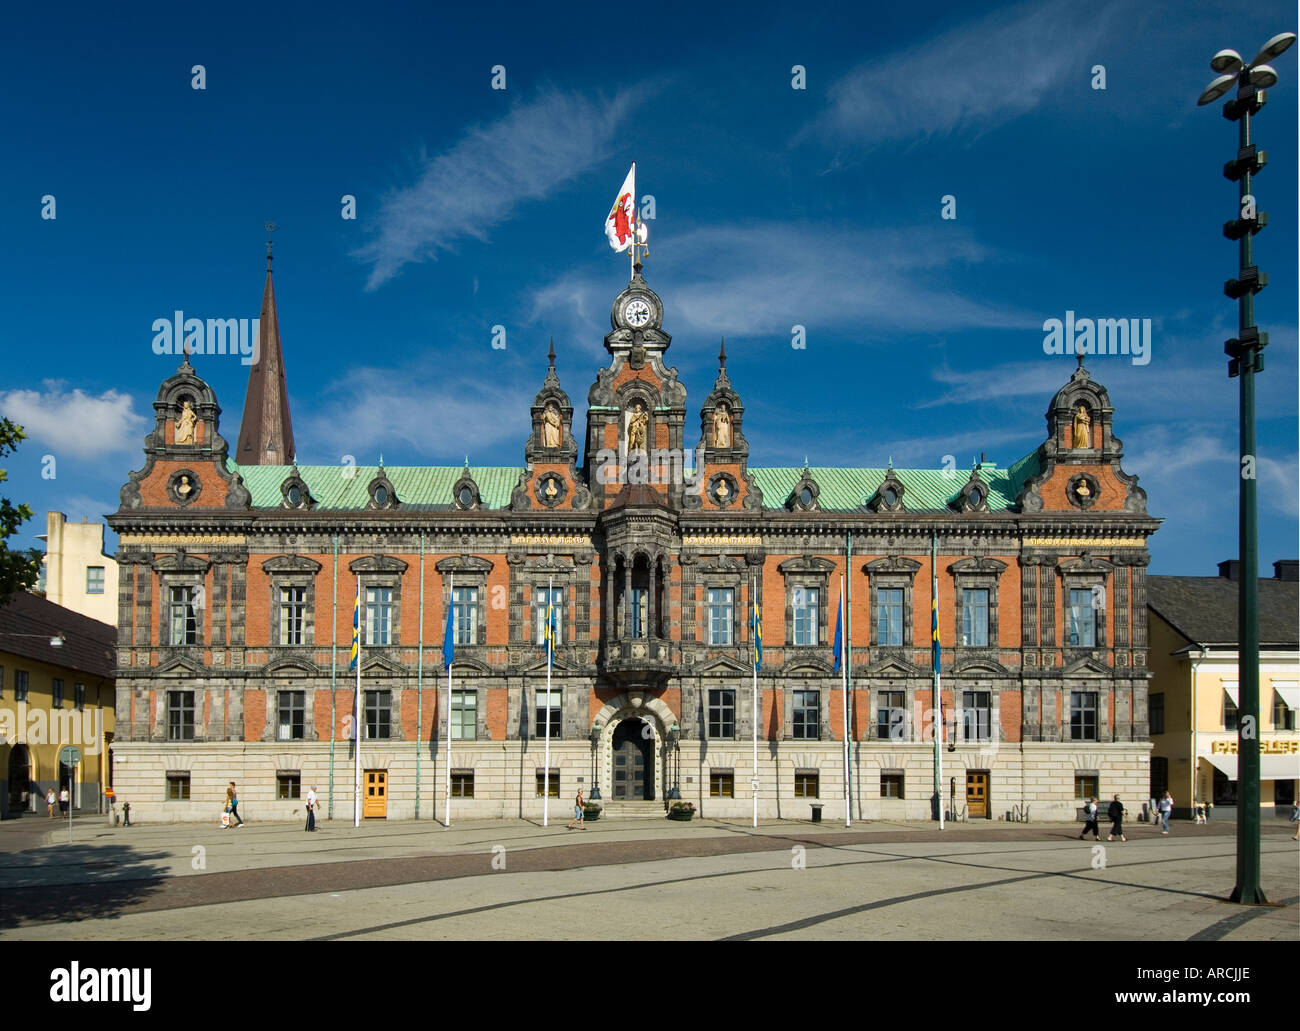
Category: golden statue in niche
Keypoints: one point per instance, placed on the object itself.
(551, 427)
(636, 428)
(1082, 428)
(185, 424)
(722, 427)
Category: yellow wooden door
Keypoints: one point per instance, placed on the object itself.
(374, 785)
(977, 795)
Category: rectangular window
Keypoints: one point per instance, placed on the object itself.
(977, 716)
(551, 708)
(721, 614)
(464, 715)
(807, 784)
(975, 617)
(1159, 776)
(1083, 625)
(640, 598)
(722, 784)
(1156, 709)
(379, 615)
(807, 601)
(889, 617)
(891, 784)
(466, 600)
(292, 706)
(288, 784)
(891, 717)
(1225, 790)
(1283, 714)
(1229, 711)
(1086, 786)
(20, 685)
(722, 712)
(807, 715)
(178, 787)
(540, 779)
(1083, 715)
(56, 693)
(79, 695)
(180, 716)
(293, 609)
(379, 714)
(462, 783)
(555, 596)
(184, 616)
(94, 579)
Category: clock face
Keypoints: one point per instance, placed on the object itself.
(636, 312)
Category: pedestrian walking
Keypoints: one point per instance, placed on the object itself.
(1166, 806)
(1090, 820)
(1295, 818)
(311, 808)
(578, 815)
(232, 800)
(50, 799)
(1115, 813)
(63, 801)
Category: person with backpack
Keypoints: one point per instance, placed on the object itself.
(1090, 820)
(1115, 813)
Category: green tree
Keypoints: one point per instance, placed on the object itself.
(18, 569)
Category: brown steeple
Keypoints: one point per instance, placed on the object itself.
(266, 432)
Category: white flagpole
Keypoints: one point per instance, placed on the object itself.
(356, 721)
(844, 668)
(546, 762)
(753, 602)
(451, 596)
(631, 251)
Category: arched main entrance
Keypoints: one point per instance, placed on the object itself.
(633, 761)
(20, 776)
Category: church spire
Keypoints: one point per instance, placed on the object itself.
(266, 432)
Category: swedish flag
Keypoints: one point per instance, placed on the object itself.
(356, 630)
(934, 628)
(549, 629)
(756, 622)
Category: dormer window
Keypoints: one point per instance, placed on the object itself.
(381, 491)
(380, 495)
(466, 497)
(294, 494)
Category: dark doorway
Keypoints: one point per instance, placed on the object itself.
(633, 748)
(20, 776)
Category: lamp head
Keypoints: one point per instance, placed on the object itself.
(1226, 61)
(1262, 76)
(1216, 89)
(1279, 44)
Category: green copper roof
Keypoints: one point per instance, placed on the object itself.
(429, 487)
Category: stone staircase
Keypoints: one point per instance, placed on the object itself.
(620, 810)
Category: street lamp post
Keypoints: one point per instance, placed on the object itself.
(1246, 358)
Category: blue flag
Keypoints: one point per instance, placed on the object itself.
(549, 631)
(839, 618)
(449, 635)
(756, 621)
(356, 630)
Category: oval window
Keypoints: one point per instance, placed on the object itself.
(975, 498)
(466, 497)
(381, 496)
(295, 495)
(805, 497)
(891, 497)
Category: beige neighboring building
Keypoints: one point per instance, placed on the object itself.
(1194, 690)
(78, 575)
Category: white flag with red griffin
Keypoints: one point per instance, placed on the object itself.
(622, 224)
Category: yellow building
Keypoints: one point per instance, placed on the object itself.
(56, 689)
(1194, 690)
(77, 574)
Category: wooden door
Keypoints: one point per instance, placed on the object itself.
(977, 795)
(629, 753)
(374, 787)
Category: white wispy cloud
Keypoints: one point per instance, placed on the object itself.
(763, 279)
(968, 79)
(477, 184)
(74, 423)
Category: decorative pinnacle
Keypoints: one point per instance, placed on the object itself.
(550, 361)
(1079, 357)
(722, 354)
(381, 460)
(270, 228)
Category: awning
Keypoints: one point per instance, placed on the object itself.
(1290, 692)
(1231, 687)
(1271, 767)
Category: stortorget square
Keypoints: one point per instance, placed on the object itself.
(718, 473)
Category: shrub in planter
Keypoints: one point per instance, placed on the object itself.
(681, 811)
(590, 812)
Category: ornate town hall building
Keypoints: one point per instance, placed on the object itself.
(238, 578)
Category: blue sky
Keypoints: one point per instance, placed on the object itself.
(775, 207)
